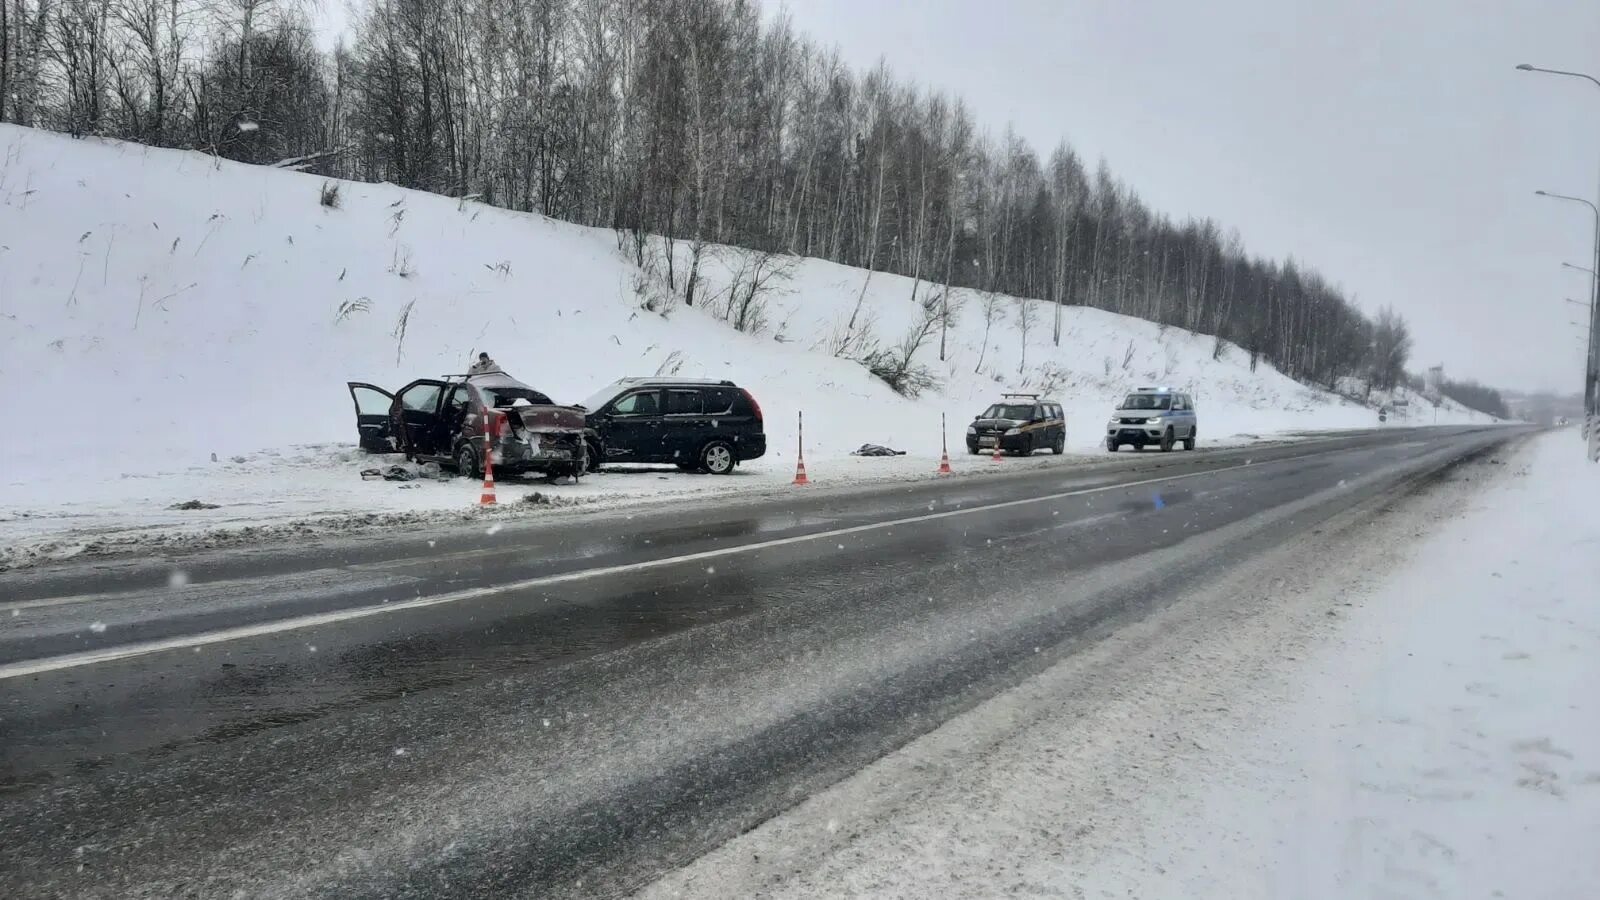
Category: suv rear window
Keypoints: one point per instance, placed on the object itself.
(719, 401)
(683, 402)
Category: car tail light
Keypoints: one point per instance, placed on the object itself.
(756, 407)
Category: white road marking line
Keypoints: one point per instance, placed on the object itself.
(129, 651)
(335, 580)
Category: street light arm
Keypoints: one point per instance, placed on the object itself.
(1528, 68)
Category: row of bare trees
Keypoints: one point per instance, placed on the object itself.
(695, 120)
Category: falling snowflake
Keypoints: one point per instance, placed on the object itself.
(711, 570)
(311, 647)
(400, 751)
(98, 627)
(546, 722)
(177, 579)
(493, 529)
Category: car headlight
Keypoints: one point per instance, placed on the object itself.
(1012, 431)
(1155, 421)
(972, 429)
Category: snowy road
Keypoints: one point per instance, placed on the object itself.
(574, 707)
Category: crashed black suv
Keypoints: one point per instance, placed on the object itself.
(443, 420)
(696, 424)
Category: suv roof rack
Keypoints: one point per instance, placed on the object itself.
(673, 379)
(1034, 396)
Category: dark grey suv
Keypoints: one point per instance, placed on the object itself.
(696, 424)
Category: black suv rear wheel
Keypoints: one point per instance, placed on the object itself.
(717, 458)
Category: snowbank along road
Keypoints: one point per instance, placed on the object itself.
(184, 280)
(538, 713)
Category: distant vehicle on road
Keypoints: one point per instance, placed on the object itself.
(696, 424)
(443, 420)
(1019, 425)
(1153, 415)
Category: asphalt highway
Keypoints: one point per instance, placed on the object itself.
(572, 704)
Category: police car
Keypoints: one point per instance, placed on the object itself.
(1152, 415)
(1019, 424)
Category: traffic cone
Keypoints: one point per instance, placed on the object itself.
(800, 479)
(996, 456)
(487, 497)
(944, 448)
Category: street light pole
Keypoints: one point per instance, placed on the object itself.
(1591, 372)
(1591, 387)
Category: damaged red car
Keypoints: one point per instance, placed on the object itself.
(445, 421)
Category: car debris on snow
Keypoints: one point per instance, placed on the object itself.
(876, 450)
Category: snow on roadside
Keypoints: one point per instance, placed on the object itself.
(1386, 719)
(314, 490)
(177, 309)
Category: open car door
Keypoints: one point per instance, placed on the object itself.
(372, 417)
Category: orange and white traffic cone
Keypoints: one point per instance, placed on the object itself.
(800, 479)
(487, 497)
(944, 448)
(996, 456)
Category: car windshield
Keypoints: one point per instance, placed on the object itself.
(1021, 411)
(501, 397)
(603, 396)
(1147, 401)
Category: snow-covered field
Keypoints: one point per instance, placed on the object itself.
(174, 313)
(1385, 718)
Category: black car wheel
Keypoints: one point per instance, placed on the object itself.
(1188, 442)
(1060, 446)
(594, 453)
(467, 462)
(1112, 446)
(1166, 441)
(717, 458)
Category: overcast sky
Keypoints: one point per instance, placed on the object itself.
(1388, 143)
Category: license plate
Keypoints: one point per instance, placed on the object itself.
(987, 441)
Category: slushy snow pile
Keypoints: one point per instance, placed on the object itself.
(164, 314)
(1427, 731)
